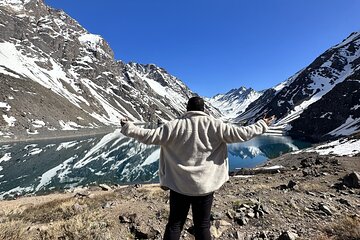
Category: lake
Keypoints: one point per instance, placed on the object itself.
(44, 166)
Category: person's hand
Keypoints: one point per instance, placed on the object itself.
(269, 120)
(123, 121)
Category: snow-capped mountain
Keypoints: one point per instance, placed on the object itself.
(55, 75)
(234, 102)
(320, 101)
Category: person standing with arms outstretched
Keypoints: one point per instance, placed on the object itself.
(193, 162)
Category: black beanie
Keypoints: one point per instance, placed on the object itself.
(195, 104)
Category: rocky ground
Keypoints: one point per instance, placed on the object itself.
(312, 197)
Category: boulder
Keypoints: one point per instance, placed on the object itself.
(352, 180)
(105, 187)
(288, 235)
(143, 231)
(308, 162)
(242, 221)
(127, 218)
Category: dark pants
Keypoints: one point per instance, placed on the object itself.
(179, 208)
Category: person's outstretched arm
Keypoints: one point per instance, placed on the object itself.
(232, 133)
(156, 136)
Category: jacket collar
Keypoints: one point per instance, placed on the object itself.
(194, 113)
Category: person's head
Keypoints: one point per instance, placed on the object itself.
(195, 104)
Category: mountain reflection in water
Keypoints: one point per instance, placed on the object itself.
(55, 165)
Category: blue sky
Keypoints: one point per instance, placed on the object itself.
(216, 45)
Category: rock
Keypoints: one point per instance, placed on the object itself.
(281, 187)
(143, 231)
(335, 162)
(291, 184)
(263, 235)
(127, 218)
(352, 180)
(250, 214)
(216, 216)
(105, 187)
(214, 232)
(265, 209)
(240, 235)
(310, 172)
(344, 201)
(103, 225)
(230, 214)
(108, 205)
(82, 194)
(351, 191)
(78, 208)
(242, 221)
(293, 204)
(310, 193)
(288, 235)
(162, 214)
(308, 162)
(243, 205)
(219, 227)
(325, 209)
(319, 160)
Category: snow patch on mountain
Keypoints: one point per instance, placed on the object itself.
(348, 40)
(23, 63)
(234, 102)
(92, 42)
(340, 147)
(320, 87)
(9, 120)
(349, 127)
(16, 5)
(5, 105)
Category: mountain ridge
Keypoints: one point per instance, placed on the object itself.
(70, 78)
(294, 100)
(234, 102)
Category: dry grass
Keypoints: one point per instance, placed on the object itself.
(347, 228)
(323, 237)
(13, 230)
(70, 218)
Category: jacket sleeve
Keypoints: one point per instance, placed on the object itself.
(231, 133)
(156, 136)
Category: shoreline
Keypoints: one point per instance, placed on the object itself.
(55, 135)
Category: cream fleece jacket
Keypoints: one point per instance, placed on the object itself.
(193, 155)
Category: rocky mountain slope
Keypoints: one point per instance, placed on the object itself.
(320, 101)
(234, 102)
(55, 75)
